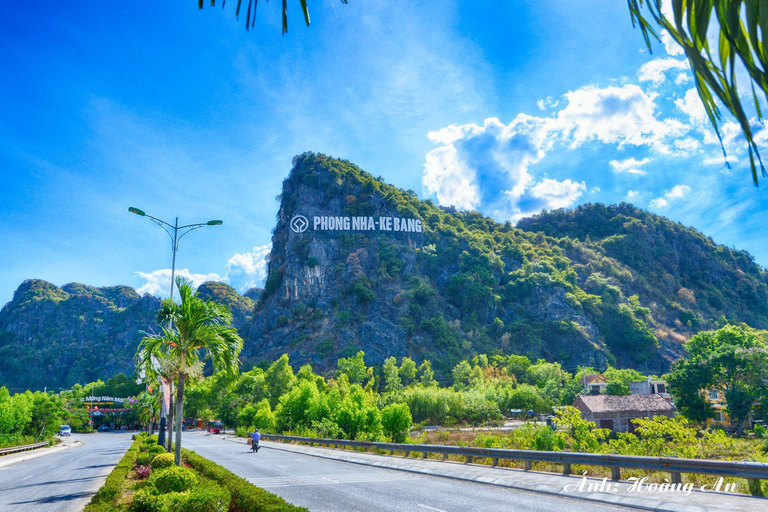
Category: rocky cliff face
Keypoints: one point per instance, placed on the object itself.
(53, 337)
(464, 284)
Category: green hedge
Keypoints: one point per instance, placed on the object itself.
(246, 497)
(104, 500)
(207, 496)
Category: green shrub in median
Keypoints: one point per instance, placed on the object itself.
(206, 487)
(146, 443)
(173, 479)
(205, 497)
(162, 460)
(156, 450)
(145, 501)
(144, 459)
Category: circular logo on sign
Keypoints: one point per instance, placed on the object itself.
(299, 223)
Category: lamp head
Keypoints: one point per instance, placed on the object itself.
(136, 211)
(215, 222)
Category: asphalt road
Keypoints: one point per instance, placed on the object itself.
(62, 481)
(327, 485)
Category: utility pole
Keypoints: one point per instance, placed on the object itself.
(175, 238)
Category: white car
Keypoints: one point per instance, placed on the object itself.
(65, 430)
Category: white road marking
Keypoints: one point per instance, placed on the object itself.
(281, 467)
(346, 478)
(431, 508)
(30, 476)
(52, 467)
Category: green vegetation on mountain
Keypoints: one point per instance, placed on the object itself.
(54, 336)
(687, 280)
(594, 286)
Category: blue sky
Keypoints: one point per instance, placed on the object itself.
(506, 107)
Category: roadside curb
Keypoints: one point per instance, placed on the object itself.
(40, 452)
(603, 498)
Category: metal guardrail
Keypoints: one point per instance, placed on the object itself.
(22, 448)
(750, 471)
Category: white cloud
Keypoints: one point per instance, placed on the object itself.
(557, 194)
(682, 78)
(244, 271)
(670, 45)
(691, 105)
(488, 167)
(632, 194)
(629, 166)
(547, 103)
(450, 179)
(655, 71)
(719, 160)
(158, 282)
(676, 192)
(249, 269)
(686, 146)
(617, 115)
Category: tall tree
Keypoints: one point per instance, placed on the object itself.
(733, 359)
(198, 329)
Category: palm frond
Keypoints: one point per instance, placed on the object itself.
(249, 22)
(742, 25)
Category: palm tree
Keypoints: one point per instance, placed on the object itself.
(147, 408)
(196, 329)
(155, 363)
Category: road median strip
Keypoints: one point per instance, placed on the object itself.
(134, 486)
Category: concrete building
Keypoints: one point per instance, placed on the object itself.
(615, 411)
(649, 387)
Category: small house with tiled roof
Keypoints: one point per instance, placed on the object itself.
(615, 411)
(594, 383)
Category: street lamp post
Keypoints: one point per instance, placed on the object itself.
(175, 238)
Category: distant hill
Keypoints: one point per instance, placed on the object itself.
(53, 337)
(686, 279)
(357, 264)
